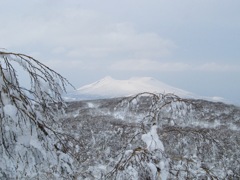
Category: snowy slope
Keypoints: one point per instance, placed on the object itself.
(193, 135)
(109, 87)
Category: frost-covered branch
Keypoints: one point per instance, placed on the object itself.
(30, 106)
(37, 102)
(148, 161)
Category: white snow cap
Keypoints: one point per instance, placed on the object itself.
(110, 87)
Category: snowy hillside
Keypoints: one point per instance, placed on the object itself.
(109, 88)
(146, 137)
(119, 139)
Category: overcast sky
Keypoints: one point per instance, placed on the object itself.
(190, 44)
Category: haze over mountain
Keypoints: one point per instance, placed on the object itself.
(110, 88)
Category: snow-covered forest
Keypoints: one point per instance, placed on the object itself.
(155, 137)
(145, 136)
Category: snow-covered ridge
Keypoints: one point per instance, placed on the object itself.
(109, 88)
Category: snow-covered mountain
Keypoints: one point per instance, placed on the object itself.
(109, 88)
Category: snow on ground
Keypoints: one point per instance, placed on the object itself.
(91, 105)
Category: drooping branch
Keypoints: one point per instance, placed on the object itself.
(148, 160)
(37, 103)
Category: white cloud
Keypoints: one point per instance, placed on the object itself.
(69, 65)
(124, 39)
(81, 33)
(151, 65)
(216, 67)
(58, 50)
(72, 33)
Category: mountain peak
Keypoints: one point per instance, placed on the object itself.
(107, 78)
(108, 87)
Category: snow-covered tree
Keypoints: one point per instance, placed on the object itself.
(171, 143)
(29, 132)
(148, 160)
